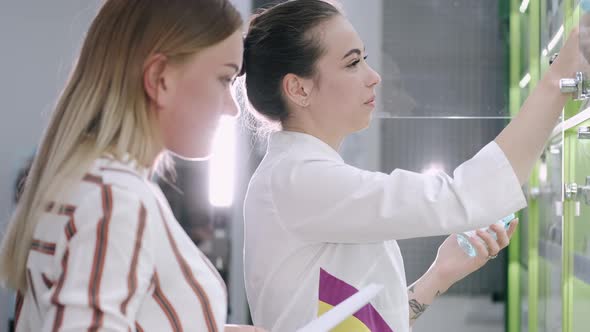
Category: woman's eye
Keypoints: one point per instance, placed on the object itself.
(356, 62)
(227, 81)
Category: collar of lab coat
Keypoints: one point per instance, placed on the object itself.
(307, 144)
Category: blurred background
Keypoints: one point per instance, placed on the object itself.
(454, 73)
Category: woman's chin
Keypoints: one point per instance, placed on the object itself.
(361, 125)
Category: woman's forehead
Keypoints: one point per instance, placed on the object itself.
(338, 37)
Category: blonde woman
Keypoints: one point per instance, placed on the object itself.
(93, 244)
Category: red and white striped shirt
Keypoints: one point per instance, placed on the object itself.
(114, 258)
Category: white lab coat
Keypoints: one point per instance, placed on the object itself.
(314, 224)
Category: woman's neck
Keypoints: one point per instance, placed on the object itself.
(333, 140)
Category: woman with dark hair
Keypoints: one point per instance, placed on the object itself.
(317, 229)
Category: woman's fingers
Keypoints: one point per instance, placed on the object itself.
(512, 228)
(480, 247)
(490, 242)
(501, 234)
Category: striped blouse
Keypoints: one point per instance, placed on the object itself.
(114, 258)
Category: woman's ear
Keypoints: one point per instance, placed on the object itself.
(155, 80)
(297, 89)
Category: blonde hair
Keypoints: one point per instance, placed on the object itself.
(104, 107)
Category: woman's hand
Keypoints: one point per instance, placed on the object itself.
(584, 36)
(574, 55)
(453, 264)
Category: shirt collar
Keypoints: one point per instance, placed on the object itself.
(126, 161)
(309, 144)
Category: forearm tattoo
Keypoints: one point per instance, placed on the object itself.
(417, 308)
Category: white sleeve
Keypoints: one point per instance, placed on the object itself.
(107, 266)
(327, 201)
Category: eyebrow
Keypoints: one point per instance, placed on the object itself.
(353, 51)
(233, 65)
